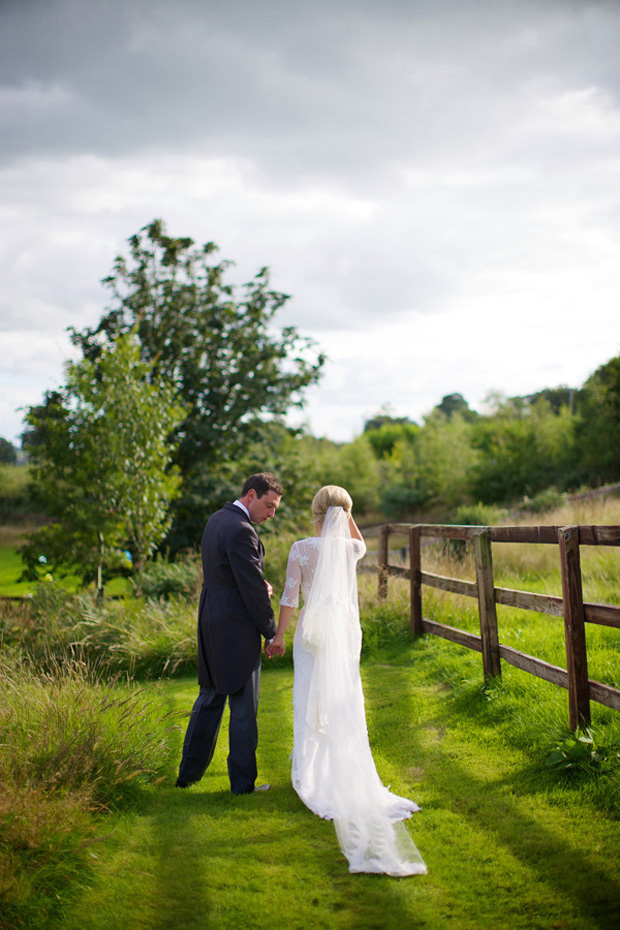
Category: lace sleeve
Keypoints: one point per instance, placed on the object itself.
(359, 548)
(290, 595)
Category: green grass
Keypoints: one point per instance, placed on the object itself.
(506, 842)
(11, 567)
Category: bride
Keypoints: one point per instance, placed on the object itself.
(333, 771)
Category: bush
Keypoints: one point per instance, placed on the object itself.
(545, 500)
(164, 579)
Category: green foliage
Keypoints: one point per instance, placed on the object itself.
(383, 438)
(216, 345)
(522, 449)
(164, 579)
(432, 469)
(8, 452)
(101, 455)
(599, 428)
(545, 500)
(15, 497)
(456, 403)
(582, 752)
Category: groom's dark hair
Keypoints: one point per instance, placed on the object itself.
(262, 483)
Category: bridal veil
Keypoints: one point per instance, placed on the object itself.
(341, 767)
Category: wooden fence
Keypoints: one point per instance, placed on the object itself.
(571, 606)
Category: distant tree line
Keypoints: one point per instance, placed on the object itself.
(558, 439)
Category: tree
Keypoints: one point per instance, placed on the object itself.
(599, 429)
(523, 449)
(8, 453)
(232, 371)
(456, 403)
(101, 452)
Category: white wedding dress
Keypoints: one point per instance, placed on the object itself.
(333, 770)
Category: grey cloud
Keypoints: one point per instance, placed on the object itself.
(304, 89)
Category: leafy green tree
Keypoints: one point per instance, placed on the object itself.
(384, 437)
(233, 372)
(101, 453)
(433, 471)
(8, 452)
(599, 428)
(522, 449)
(456, 403)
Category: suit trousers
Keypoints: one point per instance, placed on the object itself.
(204, 727)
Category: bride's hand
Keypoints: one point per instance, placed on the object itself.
(277, 647)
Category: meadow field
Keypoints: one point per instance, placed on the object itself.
(93, 706)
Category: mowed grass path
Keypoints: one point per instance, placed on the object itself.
(505, 844)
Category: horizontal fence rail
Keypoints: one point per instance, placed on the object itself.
(571, 606)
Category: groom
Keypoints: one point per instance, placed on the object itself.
(234, 611)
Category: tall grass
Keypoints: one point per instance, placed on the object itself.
(72, 744)
(144, 637)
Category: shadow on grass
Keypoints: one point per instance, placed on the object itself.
(262, 860)
(272, 864)
(494, 806)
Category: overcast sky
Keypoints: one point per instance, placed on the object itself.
(435, 182)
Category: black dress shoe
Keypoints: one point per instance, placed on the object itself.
(181, 784)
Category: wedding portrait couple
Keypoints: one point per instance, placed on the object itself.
(333, 771)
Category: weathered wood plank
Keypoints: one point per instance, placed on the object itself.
(599, 535)
(455, 585)
(574, 628)
(528, 600)
(535, 666)
(524, 534)
(397, 571)
(442, 531)
(604, 614)
(470, 640)
(604, 694)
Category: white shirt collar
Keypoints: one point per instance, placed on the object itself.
(242, 507)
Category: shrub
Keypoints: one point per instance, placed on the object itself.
(544, 501)
(164, 579)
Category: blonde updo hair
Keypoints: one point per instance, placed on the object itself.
(330, 496)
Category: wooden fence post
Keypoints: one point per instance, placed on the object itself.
(486, 605)
(574, 628)
(382, 561)
(415, 581)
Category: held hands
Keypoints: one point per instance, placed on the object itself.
(277, 647)
(269, 588)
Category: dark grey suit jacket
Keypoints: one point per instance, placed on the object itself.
(235, 609)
